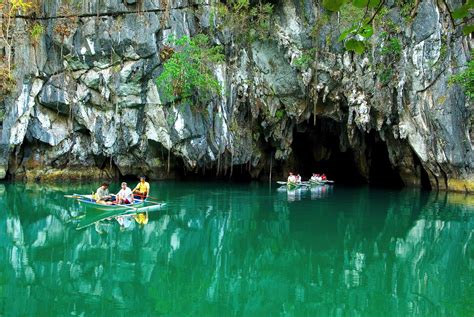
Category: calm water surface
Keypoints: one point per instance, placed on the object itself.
(239, 250)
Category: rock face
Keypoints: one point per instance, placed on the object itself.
(88, 99)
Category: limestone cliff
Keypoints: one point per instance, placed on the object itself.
(86, 101)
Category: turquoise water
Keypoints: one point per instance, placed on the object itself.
(239, 250)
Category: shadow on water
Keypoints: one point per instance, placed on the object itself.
(240, 250)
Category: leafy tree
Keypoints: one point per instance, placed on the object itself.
(187, 69)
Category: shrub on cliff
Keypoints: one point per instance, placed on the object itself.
(187, 71)
(466, 80)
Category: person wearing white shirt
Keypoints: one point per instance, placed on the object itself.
(125, 195)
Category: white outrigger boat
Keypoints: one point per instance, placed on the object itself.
(304, 185)
(96, 212)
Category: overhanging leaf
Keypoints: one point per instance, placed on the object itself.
(461, 12)
(333, 5)
(360, 3)
(345, 33)
(374, 3)
(468, 29)
(366, 31)
(355, 45)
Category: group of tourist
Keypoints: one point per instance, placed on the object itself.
(318, 178)
(296, 179)
(125, 195)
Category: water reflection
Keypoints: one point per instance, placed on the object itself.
(321, 191)
(240, 250)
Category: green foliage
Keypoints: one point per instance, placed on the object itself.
(357, 17)
(355, 45)
(390, 52)
(8, 10)
(406, 8)
(464, 10)
(356, 30)
(188, 71)
(333, 5)
(36, 31)
(468, 29)
(465, 79)
(350, 16)
(249, 22)
(392, 47)
(305, 60)
(279, 114)
(7, 82)
(385, 75)
(320, 22)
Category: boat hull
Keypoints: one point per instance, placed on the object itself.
(90, 203)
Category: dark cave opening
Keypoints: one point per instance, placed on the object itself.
(381, 171)
(317, 149)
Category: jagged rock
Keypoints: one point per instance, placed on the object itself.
(57, 93)
(99, 100)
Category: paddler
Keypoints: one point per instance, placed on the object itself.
(102, 195)
(142, 189)
(291, 178)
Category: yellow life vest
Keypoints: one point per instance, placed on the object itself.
(143, 187)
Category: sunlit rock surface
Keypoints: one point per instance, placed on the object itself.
(91, 96)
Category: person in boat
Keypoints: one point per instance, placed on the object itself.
(125, 195)
(291, 178)
(298, 179)
(323, 177)
(102, 195)
(142, 189)
(315, 177)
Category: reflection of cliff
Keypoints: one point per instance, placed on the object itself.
(241, 251)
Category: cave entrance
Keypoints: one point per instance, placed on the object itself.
(319, 149)
(381, 171)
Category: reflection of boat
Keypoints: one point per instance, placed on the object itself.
(292, 186)
(295, 194)
(320, 191)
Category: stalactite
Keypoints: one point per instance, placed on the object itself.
(231, 160)
(169, 159)
(315, 76)
(225, 164)
(271, 166)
